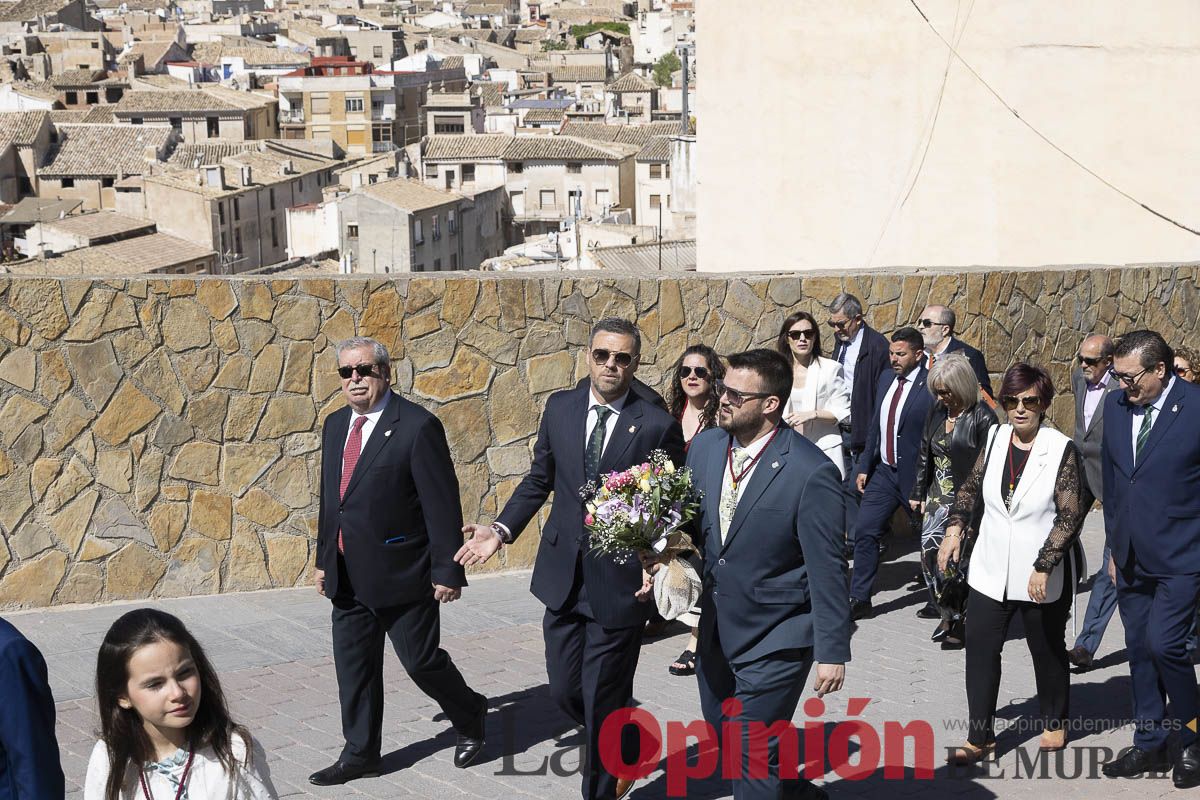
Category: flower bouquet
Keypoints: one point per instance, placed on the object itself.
(641, 510)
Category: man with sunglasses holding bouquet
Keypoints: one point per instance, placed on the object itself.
(388, 527)
(596, 607)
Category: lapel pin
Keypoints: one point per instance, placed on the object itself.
(632, 428)
(387, 433)
(774, 465)
(1174, 408)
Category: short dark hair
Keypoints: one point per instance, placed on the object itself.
(781, 343)
(910, 335)
(619, 326)
(772, 369)
(1022, 376)
(1149, 346)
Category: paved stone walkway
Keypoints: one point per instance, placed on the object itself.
(273, 652)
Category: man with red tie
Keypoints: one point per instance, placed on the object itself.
(388, 528)
(887, 467)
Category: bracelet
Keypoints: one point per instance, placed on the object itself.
(949, 535)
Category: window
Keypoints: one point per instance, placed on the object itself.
(176, 123)
(95, 45)
(237, 241)
(224, 242)
(418, 268)
(381, 133)
(354, 105)
(214, 127)
(320, 104)
(666, 170)
(452, 221)
(93, 98)
(135, 120)
(655, 201)
(72, 98)
(271, 197)
(417, 234)
(449, 179)
(372, 179)
(300, 184)
(546, 198)
(454, 261)
(515, 167)
(431, 170)
(468, 173)
(656, 170)
(351, 231)
(437, 264)
(274, 234)
(602, 196)
(107, 183)
(237, 209)
(221, 213)
(574, 167)
(437, 228)
(377, 52)
(68, 183)
(448, 125)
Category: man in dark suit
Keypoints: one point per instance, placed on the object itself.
(774, 573)
(1151, 474)
(389, 525)
(937, 329)
(29, 765)
(596, 607)
(1091, 383)
(863, 354)
(887, 467)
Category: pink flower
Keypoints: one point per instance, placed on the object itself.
(589, 520)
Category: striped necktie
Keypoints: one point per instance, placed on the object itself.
(1144, 431)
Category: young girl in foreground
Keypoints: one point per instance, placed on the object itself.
(165, 729)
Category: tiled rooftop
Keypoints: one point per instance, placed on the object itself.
(523, 148)
(103, 150)
(20, 128)
(98, 224)
(656, 150)
(209, 152)
(544, 116)
(630, 82)
(77, 78)
(579, 73)
(409, 195)
(165, 102)
(252, 55)
(138, 255)
(29, 10)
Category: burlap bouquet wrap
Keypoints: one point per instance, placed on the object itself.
(676, 584)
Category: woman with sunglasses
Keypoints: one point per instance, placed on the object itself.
(693, 401)
(1187, 364)
(955, 430)
(820, 397)
(1026, 490)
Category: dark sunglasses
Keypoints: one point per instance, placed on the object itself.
(700, 372)
(1182, 371)
(807, 333)
(736, 398)
(1030, 403)
(929, 323)
(1091, 362)
(363, 370)
(837, 326)
(601, 356)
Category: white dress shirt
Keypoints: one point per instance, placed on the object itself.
(372, 418)
(610, 424)
(1140, 411)
(909, 380)
(852, 349)
(752, 449)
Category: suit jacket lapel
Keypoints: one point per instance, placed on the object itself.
(1121, 431)
(628, 424)
(1098, 414)
(1166, 419)
(380, 435)
(576, 433)
(714, 477)
(918, 385)
(339, 427)
(769, 465)
(1030, 474)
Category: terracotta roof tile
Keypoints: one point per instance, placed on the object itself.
(103, 150)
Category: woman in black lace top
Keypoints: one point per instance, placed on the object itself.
(1021, 509)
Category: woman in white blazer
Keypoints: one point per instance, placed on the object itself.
(1026, 493)
(820, 396)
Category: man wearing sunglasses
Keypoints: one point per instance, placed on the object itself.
(596, 608)
(389, 522)
(1091, 383)
(937, 331)
(887, 468)
(1151, 475)
(773, 604)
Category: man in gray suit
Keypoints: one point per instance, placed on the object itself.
(1090, 383)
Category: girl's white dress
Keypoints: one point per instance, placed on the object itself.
(207, 780)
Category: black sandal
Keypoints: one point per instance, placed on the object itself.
(688, 659)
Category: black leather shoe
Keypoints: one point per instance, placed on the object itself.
(1080, 657)
(341, 772)
(929, 611)
(1187, 767)
(1133, 761)
(859, 609)
(940, 633)
(468, 748)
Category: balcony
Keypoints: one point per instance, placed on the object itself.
(382, 147)
(291, 117)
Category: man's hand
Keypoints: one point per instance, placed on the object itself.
(829, 678)
(319, 579)
(861, 482)
(1037, 586)
(446, 594)
(482, 545)
(644, 594)
(1112, 570)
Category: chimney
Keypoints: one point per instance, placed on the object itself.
(287, 168)
(214, 176)
(247, 175)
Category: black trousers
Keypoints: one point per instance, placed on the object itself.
(1045, 631)
(590, 669)
(415, 631)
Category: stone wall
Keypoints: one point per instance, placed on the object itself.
(161, 437)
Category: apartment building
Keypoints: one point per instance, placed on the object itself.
(453, 112)
(632, 98)
(199, 115)
(652, 171)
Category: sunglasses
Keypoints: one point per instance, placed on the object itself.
(602, 356)
(736, 398)
(1128, 380)
(1091, 362)
(363, 370)
(1182, 371)
(838, 326)
(796, 336)
(700, 372)
(929, 323)
(1030, 403)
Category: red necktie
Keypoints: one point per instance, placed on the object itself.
(891, 423)
(349, 460)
